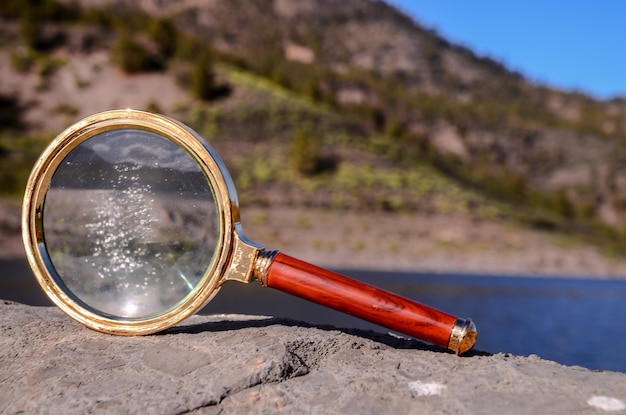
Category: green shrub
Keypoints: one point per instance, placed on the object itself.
(189, 48)
(163, 32)
(153, 107)
(17, 156)
(22, 61)
(306, 153)
(30, 29)
(65, 109)
(131, 56)
(563, 206)
(202, 80)
(48, 65)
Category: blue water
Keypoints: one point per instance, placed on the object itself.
(571, 321)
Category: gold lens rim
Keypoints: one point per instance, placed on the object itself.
(39, 182)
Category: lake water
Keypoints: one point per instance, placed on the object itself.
(571, 321)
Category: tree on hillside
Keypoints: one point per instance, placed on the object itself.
(203, 83)
(306, 153)
(131, 56)
(163, 32)
(31, 29)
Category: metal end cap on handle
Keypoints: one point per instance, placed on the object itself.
(463, 336)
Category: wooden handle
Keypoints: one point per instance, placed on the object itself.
(360, 300)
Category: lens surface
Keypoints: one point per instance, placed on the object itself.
(130, 224)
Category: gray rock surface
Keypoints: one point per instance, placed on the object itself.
(244, 364)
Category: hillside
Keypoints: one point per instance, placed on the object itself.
(321, 104)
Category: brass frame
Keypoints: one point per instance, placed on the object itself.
(235, 257)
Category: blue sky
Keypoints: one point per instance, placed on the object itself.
(572, 45)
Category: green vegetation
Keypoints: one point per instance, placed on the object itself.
(306, 153)
(131, 56)
(203, 83)
(18, 155)
(164, 34)
(31, 29)
(25, 60)
(65, 109)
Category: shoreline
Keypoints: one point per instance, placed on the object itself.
(420, 243)
(416, 243)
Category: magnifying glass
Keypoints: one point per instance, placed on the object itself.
(131, 224)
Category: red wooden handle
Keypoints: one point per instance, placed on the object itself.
(360, 300)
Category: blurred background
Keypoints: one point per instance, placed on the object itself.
(446, 152)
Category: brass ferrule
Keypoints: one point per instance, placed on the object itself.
(262, 265)
(463, 336)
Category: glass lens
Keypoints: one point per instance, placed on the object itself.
(130, 224)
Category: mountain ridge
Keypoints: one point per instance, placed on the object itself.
(379, 92)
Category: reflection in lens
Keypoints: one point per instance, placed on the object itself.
(130, 224)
